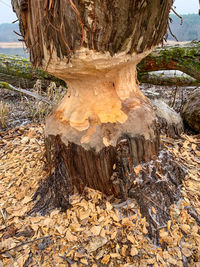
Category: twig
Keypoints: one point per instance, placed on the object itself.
(154, 203)
(15, 21)
(18, 33)
(174, 98)
(177, 15)
(25, 243)
(3, 216)
(172, 33)
(23, 91)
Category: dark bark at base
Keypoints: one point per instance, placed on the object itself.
(53, 192)
(158, 188)
(112, 171)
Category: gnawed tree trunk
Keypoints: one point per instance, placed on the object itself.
(104, 127)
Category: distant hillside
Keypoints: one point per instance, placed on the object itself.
(7, 34)
(188, 31)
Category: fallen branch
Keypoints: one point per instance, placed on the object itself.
(25, 243)
(185, 58)
(160, 79)
(23, 91)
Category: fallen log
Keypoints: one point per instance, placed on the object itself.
(19, 72)
(185, 58)
(163, 79)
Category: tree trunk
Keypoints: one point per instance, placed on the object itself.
(104, 127)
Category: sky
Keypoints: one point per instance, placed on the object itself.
(182, 7)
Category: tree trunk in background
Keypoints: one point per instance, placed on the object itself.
(104, 127)
(184, 58)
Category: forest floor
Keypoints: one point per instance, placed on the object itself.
(96, 230)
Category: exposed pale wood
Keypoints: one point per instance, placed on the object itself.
(105, 95)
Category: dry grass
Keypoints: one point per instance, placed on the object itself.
(4, 111)
(16, 109)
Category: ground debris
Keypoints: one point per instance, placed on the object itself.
(95, 231)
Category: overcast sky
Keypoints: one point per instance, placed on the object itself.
(182, 7)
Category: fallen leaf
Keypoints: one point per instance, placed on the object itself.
(84, 261)
(84, 214)
(70, 237)
(108, 206)
(154, 210)
(26, 199)
(95, 243)
(187, 252)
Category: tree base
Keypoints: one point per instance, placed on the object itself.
(154, 183)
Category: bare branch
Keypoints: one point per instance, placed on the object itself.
(25, 243)
(23, 91)
(173, 10)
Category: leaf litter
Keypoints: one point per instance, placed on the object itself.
(97, 230)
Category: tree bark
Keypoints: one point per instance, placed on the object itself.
(104, 127)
